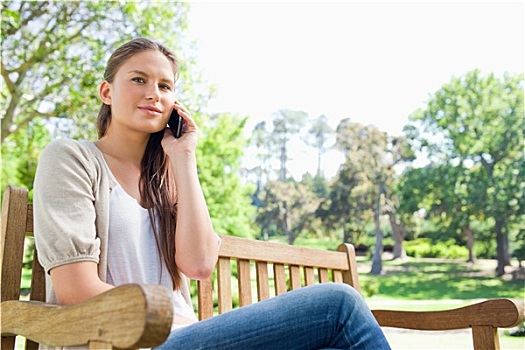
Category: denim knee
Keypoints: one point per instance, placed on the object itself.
(341, 291)
(344, 300)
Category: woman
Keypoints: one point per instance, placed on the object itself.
(128, 208)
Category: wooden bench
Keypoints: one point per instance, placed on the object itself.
(136, 315)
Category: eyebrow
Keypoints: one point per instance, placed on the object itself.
(164, 80)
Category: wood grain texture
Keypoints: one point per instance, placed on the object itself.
(309, 276)
(295, 277)
(38, 280)
(249, 249)
(245, 282)
(350, 275)
(14, 217)
(128, 316)
(485, 337)
(279, 273)
(494, 313)
(205, 298)
(323, 275)
(14, 221)
(263, 286)
(224, 284)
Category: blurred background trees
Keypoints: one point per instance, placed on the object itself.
(466, 199)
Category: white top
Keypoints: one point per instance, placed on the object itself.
(133, 256)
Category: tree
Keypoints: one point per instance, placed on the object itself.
(219, 153)
(318, 136)
(347, 205)
(285, 123)
(20, 154)
(372, 156)
(288, 208)
(451, 197)
(260, 139)
(478, 120)
(45, 45)
(398, 152)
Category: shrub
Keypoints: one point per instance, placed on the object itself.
(425, 248)
(370, 288)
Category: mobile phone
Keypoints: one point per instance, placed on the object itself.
(175, 124)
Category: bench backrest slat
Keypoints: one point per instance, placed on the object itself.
(261, 270)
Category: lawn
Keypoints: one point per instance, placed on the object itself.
(439, 279)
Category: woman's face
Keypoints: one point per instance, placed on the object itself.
(142, 94)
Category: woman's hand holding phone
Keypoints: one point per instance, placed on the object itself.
(175, 124)
(181, 134)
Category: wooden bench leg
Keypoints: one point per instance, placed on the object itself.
(485, 337)
(8, 342)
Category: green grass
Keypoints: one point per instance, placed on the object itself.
(435, 279)
(428, 278)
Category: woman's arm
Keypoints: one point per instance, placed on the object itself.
(77, 282)
(196, 243)
(65, 222)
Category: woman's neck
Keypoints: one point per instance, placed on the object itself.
(123, 147)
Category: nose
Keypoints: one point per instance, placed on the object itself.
(152, 92)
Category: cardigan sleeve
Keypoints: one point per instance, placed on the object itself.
(63, 205)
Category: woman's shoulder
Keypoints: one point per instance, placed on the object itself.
(72, 153)
(69, 147)
(73, 157)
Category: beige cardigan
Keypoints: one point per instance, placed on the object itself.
(71, 208)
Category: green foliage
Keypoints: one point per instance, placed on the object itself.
(426, 248)
(519, 251)
(370, 288)
(472, 130)
(45, 45)
(219, 154)
(287, 208)
(20, 154)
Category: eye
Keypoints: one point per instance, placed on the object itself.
(138, 80)
(165, 87)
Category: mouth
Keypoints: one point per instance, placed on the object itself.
(150, 109)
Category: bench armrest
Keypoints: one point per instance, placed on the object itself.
(128, 316)
(496, 313)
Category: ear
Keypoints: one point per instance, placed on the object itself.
(105, 92)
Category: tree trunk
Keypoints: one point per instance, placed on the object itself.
(283, 158)
(399, 237)
(347, 234)
(500, 247)
(470, 242)
(377, 263)
(319, 152)
(507, 256)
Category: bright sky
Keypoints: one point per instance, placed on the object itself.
(374, 62)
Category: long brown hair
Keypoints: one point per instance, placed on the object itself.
(157, 185)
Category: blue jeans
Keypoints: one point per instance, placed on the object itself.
(323, 316)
